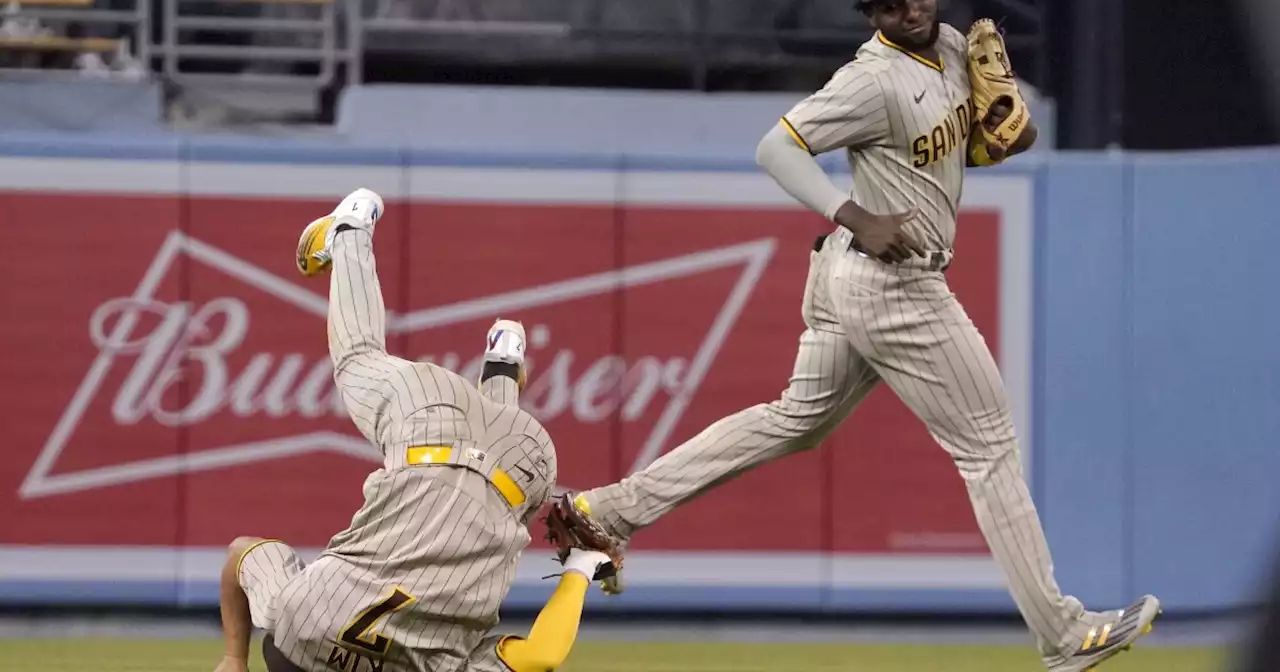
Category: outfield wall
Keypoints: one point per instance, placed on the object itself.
(167, 386)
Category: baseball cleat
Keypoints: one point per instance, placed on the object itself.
(505, 343)
(361, 209)
(1114, 632)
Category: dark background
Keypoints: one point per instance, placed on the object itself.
(1139, 74)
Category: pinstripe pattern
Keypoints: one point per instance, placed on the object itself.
(904, 152)
(441, 533)
(911, 328)
(485, 656)
(828, 380)
(867, 322)
(265, 569)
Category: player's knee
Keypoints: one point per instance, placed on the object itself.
(791, 421)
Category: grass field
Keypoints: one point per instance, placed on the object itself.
(85, 655)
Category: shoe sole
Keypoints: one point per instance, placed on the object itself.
(1145, 631)
(311, 241)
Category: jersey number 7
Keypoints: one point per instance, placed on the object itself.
(358, 634)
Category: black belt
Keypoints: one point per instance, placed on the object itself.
(937, 260)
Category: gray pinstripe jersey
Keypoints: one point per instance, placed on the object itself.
(417, 578)
(485, 656)
(399, 405)
(904, 123)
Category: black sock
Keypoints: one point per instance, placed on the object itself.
(492, 369)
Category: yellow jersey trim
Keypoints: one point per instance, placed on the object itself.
(940, 66)
(795, 135)
(240, 562)
(502, 657)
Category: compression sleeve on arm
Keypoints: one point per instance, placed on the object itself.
(553, 632)
(798, 173)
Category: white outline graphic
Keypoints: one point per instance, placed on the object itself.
(753, 255)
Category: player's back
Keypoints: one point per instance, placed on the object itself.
(436, 417)
(433, 550)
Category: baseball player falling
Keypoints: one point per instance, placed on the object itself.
(910, 116)
(415, 582)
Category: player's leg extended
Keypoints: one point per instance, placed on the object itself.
(357, 321)
(918, 336)
(829, 379)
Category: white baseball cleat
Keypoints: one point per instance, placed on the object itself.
(361, 209)
(1111, 633)
(505, 343)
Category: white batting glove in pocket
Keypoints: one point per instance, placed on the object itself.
(590, 564)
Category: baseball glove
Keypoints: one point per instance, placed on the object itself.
(568, 528)
(993, 83)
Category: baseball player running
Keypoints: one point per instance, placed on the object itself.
(910, 116)
(415, 582)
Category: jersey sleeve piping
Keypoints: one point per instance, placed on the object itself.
(497, 649)
(795, 135)
(245, 553)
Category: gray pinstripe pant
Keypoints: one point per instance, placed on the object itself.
(416, 581)
(870, 322)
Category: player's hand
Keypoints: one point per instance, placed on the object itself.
(592, 564)
(883, 236)
(231, 664)
(1000, 111)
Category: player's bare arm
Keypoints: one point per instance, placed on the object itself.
(234, 605)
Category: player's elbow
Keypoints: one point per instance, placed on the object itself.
(763, 152)
(542, 664)
(774, 144)
(535, 659)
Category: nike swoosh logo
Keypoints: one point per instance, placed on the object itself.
(921, 96)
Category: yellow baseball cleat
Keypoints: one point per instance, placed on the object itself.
(361, 209)
(313, 257)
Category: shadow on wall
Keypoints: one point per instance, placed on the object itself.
(586, 120)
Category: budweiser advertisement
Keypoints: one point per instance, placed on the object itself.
(167, 385)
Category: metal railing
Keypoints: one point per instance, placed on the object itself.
(74, 27)
(253, 48)
(699, 35)
(319, 44)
